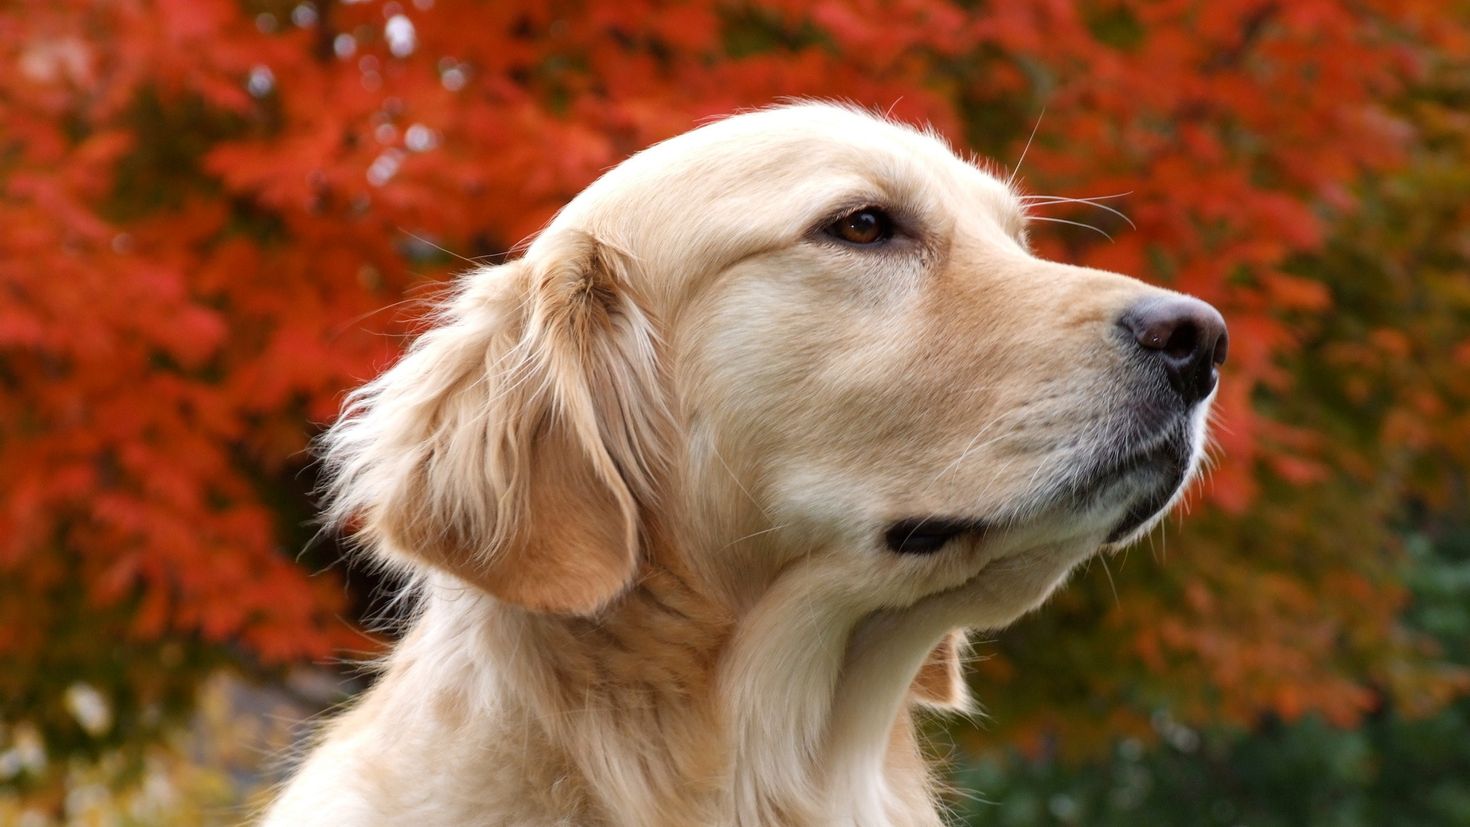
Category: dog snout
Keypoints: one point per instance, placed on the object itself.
(1185, 335)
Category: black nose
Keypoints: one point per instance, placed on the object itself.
(1186, 335)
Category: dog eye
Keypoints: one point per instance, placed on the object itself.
(865, 227)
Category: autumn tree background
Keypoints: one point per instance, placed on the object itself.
(216, 216)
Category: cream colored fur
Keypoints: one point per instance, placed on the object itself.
(640, 478)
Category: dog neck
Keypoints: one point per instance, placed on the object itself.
(669, 709)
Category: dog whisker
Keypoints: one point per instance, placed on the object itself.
(739, 540)
(1062, 200)
(1051, 220)
(1010, 182)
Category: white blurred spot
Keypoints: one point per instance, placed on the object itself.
(46, 60)
(420, 138)
(1178, 735)
(453, 79)
(386, 133)
(384, 167)
(32, 748)
(344, 45)
(89, 707)
(1131, 749)
(399, 33)
(304, 15)
(87, 803)
(1063, 807)
(265, 22)
(261, 81)
(160, 795)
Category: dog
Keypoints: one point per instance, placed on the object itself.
(699, 495)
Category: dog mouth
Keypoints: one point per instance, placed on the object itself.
(926, 535)
(1144, 481)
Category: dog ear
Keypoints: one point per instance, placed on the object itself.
(517, 440)
(940, 683)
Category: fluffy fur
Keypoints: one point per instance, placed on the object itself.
(641, 476)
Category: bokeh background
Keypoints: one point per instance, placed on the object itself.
(218, 215)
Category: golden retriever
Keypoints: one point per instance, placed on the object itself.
(699, 492)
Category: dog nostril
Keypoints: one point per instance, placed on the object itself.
(1222, 348)
(1186, 335)
(1182, 341)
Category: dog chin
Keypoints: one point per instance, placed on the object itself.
(1142, 517)
(1030, 559)
(1128, 497)
(1154, 495)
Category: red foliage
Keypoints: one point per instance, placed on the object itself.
(207, 203)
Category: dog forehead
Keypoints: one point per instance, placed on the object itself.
(820, 128)
(787, 156)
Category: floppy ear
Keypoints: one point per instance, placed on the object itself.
(940, 683)
(517, 440)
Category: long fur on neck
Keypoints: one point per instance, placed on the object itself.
(664, 710)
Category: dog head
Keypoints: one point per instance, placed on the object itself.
(811, 346)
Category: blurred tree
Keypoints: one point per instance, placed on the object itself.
(208, 203)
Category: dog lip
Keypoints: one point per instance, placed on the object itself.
(1168, 459)
(926, 535)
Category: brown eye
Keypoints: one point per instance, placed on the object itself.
(863, 227)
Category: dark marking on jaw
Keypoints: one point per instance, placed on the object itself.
(926, 535)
